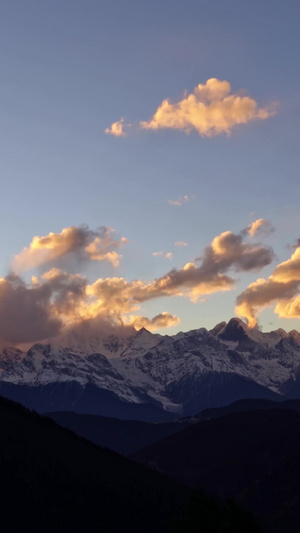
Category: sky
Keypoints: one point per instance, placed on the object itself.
(149, 165)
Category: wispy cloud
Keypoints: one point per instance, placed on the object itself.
(211, 109)
(259, 226)
(161, 321)
(180, 244)
(168, 255)
(181, 200)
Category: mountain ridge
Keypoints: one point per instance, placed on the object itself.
(177, 375)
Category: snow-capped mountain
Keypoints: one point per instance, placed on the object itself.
(154, 377)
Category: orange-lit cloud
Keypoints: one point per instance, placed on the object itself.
(229, 249)
(206, 275)
(211, 109)
(161, 321)
(259, 226)
(281, 288)
(117, 128)
(57, 301)
(117, 297)
(80, 242)
(179, 201)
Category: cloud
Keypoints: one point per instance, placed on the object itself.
(259, 226)
(161, 321)
(25, 313)
(179, 201)
(211, 109)
(67, 292)
(282, 288)
(230, 250)
(57, 302)
(168, 255)
(180, 243)
(79, 242)
(117, 128)
(206, 275)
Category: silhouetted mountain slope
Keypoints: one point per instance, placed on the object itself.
(53, 481)
(244, 405)
(252, 456)
(122, 436)
(129, 436)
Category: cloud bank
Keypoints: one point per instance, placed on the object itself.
(57, 301)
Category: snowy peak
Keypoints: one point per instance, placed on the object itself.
(141, 343)
(186, 369)
(236, 333)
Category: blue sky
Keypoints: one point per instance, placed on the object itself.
(71, 69)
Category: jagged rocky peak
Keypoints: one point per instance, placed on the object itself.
(11, 352)
(293, 337)
(218, 328)
(40, 349)
(282, 333)
(235, 330)
(143, 332)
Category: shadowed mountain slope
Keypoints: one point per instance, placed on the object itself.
(122, 436)
(54, 481)
(251, 456)
(129, 436)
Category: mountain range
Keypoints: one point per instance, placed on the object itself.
(151, 377)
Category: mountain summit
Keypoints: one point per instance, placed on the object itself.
(235, 330)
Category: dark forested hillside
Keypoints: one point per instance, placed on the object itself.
(54, 481)
(252, 456)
